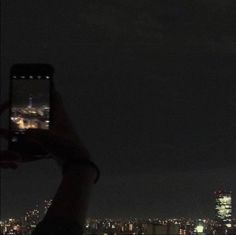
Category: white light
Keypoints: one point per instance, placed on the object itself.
(199, 229)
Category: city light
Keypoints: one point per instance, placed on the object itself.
(224, 208)
(30, 116)
(134, 226)
(199, 229)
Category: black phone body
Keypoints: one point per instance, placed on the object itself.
(30, 104)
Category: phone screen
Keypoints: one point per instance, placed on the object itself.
(30, 90)
(30, 103)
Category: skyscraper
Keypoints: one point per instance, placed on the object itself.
(223, 208)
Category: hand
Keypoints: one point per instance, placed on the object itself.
(61, 141)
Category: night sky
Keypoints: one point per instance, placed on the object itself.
(150, 88)
(37, 89)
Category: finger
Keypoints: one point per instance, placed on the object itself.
(48, 138)
(39, 138)
(5, 133)
(52, 142)
(6, 165)
(38, 135)
(61, 123)
(43, 138)
(10, 156)
(60, 119)
(56, 96)
(4, 106)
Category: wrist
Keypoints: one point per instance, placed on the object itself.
(82, 174)
(73, 152)
(81, 167)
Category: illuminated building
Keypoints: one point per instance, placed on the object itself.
(223, 209)
(30, 102)
(160, 229)
(199, 229)
(130, 227)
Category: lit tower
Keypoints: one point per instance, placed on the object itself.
(30, 105)
(223, 209)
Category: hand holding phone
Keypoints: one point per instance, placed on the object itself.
(7, 158)
(30, 104)
(60, 141)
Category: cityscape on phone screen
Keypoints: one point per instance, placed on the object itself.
(30, 107)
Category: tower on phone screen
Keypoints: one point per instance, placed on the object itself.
(30, 103)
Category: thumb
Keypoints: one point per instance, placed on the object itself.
(9, 159)
(6, 165)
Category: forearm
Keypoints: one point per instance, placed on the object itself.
(72, 197)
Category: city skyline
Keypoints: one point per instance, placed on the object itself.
(222, 224)
(219, 198)
(133, 226)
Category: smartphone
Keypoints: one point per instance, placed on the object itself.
(30, 105)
